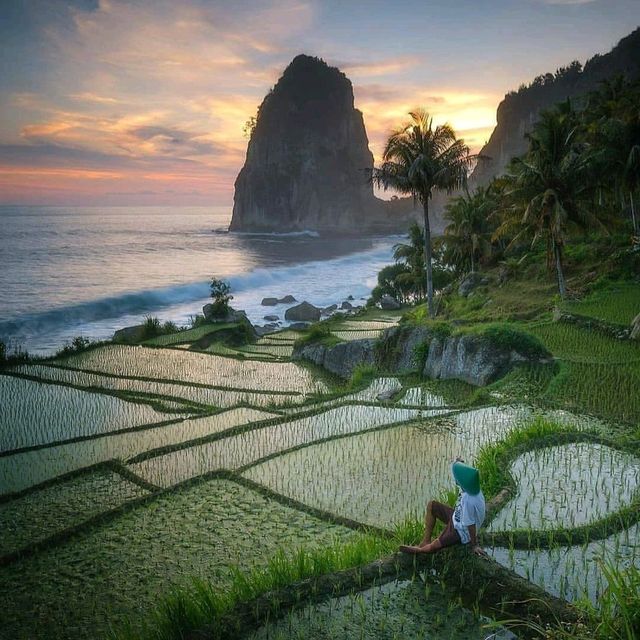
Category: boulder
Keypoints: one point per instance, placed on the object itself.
(470, 282)
(298, 326)
(389, 302)
(346, 305)
(471, 358)
(303, 312)
(232, 315)
(130, 335)
(272, 318)
(269, 302)
(287, 300)
(397, 349)
(340, 359)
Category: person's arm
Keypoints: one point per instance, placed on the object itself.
(475, 547)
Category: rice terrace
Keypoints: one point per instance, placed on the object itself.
(391, 392)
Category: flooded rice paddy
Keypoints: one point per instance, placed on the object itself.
(416, 608)
(373, 455)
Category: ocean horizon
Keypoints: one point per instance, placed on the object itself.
(70, 271)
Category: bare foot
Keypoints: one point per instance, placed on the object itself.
(409, 549)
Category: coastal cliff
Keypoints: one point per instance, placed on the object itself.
(307, 159)
(519, 110)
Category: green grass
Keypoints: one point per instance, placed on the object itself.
(189, 335)
(571, 342)
(596, 374)
(618, 303)
(606, 390)
(201, 604)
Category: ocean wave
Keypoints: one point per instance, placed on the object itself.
(278, 281)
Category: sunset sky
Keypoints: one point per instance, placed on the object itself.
(143, 101)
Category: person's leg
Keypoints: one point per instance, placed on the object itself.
(430, 547)
(429, 522)
(435, 510)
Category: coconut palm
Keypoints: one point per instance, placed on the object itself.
(551, 184)
(412, 256)
(618, 157)
(417, 159)
(467, 235)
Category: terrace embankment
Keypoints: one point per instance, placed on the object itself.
(436, 351)
(480, 582)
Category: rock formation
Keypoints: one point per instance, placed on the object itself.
(519, 111)
(476, 358)
(307, 160)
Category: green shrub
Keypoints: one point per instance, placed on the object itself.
(362, 375)
(318, 333)
(510, 337)
(221, 295)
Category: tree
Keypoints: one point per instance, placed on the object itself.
(417, 159)
(550, 183)
(221, 295)
(412, 256)
(617, 155)
(467, 235)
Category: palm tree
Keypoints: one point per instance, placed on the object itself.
(466, 235)
(618, 156)
(551, 183)
(417, 159)
(412, 256)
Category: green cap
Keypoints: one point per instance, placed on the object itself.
(466, 477)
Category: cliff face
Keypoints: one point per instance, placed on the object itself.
(307, 156)
(519, 111)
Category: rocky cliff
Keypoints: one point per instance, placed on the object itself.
(519, 111)
(307, 159)
(478, 358)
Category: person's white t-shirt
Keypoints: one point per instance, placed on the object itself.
(468, 510)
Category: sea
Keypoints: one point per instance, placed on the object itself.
(88, 271)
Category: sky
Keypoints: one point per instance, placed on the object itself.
(143, 102)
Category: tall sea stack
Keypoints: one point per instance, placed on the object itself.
(307, 158)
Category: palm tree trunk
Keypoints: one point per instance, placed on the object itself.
(562, 285)
(633, 214)
(427, 257)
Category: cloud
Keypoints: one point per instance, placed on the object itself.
(387, 66)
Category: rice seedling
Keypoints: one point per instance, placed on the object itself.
(618, 303)
(575, 572)
(578, 344)
(199, 368)
(567, 486)
(422, 396)
(363, 325)
(21, 470)
(33, 413)
(382, 477)
(397, 609)
(360, 334)
(201, 395)
(39, 514)
(248, 447)
(112, 573)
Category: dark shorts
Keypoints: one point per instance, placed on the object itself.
(444, 513)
